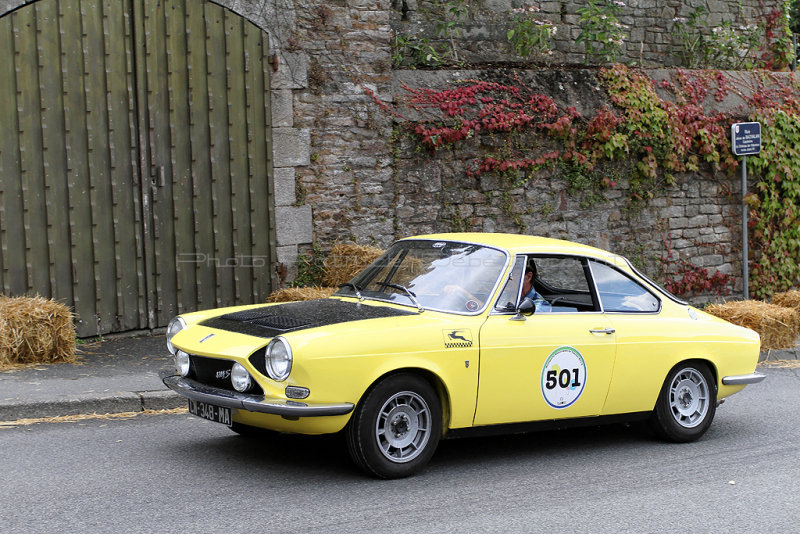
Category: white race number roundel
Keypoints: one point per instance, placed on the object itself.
(563, 377)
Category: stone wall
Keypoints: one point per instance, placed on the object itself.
(342, 176)
(480, 35)
(697, 220)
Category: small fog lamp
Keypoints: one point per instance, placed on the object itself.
(182, 362)
(240, 378)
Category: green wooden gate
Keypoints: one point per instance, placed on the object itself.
(135, 159)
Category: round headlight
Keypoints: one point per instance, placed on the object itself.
(175, 326)
(182, 362)
(279, 359)
(240, 378)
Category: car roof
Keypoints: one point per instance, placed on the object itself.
(519, 244)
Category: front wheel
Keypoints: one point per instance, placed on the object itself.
(396, 427)
(687, 403)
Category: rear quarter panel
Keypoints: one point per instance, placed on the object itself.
(649, 346)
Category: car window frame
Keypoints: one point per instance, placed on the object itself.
(644, 286)
(593, 292)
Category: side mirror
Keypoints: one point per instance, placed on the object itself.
(526, 308)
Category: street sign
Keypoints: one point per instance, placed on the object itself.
(746, 141)
(746, 138)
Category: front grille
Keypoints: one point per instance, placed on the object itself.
(258, 360)
(217, 373)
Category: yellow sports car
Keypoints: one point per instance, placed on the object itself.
(450, 334)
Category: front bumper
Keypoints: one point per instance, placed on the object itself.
(196, 391)
(743, 380)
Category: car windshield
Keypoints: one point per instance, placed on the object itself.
(436, 275)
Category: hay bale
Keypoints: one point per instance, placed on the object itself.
(778, 326)
(35, 330)
(345, 261)
(291, 294)
(787, 299)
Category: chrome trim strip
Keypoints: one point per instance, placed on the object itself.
(741, 380)
(194, 390)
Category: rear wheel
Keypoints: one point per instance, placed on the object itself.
(396, 427)
(687, 403)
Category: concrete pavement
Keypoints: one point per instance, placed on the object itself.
(118, 375)
(115, 375)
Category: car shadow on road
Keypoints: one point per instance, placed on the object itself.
(533, 448)
(275, 455)
(290, 455)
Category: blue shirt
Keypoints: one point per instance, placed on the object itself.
(541, 304)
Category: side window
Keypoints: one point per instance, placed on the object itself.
(618, 293)
(562, 283)
(508, 298)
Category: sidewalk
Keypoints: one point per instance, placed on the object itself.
(119, 375)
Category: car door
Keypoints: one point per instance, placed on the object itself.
(646, 339)
(554, 364)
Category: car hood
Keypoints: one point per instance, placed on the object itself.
(273, 320)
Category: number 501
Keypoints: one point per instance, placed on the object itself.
(563, 379)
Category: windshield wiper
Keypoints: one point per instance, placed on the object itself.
(408, 292)
(355, 287)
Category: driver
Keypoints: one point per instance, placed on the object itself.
(529, 292)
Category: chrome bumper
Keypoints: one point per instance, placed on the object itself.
(196, 391)
(741, 380)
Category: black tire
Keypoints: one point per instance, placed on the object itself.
(396, 427)
(687, 403)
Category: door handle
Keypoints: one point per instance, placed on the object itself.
(602, 330)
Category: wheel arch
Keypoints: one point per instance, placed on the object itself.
(699, 359)
(429, 376)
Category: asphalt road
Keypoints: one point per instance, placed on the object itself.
(180, 473)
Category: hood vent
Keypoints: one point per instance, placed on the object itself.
(281, 322)
(270, 321)
(266, 317)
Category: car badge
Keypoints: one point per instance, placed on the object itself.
(457, 339)
(209, 336)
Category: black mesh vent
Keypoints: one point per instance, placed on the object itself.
(280, 322)
(248, 315)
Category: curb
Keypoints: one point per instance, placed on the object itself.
(121, 402)
(771, 355)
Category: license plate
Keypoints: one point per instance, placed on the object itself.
(218, 414)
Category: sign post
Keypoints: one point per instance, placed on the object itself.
(746, 141)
